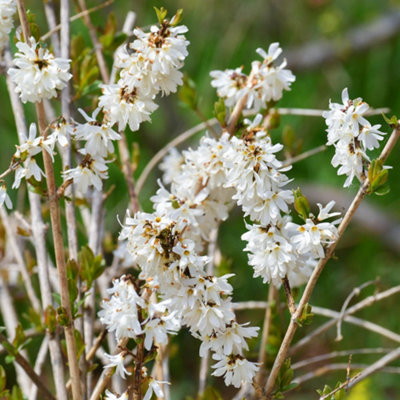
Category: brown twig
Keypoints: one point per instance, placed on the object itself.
(75, 17)
(39, 239)
(27, 368)
(289, 296)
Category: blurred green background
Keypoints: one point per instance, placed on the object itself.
(224, 34)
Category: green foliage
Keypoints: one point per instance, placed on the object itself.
(161, 14)
(209, 393)
(110, 38)
(378, 177)
(84, 68)
(284, 380)
(220, 111)
(290, 140)
(33, 26)
(338, 395)
(50, 319)
(188, 93)
(306, 316)
(301, 204)
(90, 266)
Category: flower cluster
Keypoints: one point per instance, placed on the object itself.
(161, 246)
(7, 11)
(25, 156)
(149, 65)
(352, 135)
(38, 74)
(266, 81)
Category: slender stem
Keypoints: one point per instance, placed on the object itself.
(39, 362)
(289, 296)
(96, 44)
(39, 241)
(52, 22)
(60, 259)
(282, 353)
(27, 368)
(128, 172)
(75, 17)
(368, 301)
(11, 236)
(376, 366)
(262, 355)
(304, 155)
(106, 375)
(355, 292)
(334, 354)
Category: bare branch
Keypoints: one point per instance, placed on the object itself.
(28, 369)
(355, 292)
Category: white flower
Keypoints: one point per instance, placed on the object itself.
(90, 172)
(99, 137)
(7, 11)
(271, 253)
(38, 74)
(229, 340)
(171, 165)
(269, 80)
(4, 197)
(117, 361)
(154, 386)
(370, 136)
(120, 312)
(157, 329)
(228, 84)
(112, 396)
(126, 106)
(310, 237)
(154, 65)
(62, 131)
(235, 368)
(324, 212)
(352, 135)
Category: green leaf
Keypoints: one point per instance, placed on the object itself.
(80, 344)
(161, 14)
(50, 318)
(19, 338)
(188, 93)
(306, 316)
(301, 204)
(91, 267)
(16, 393)
(378, 176)
(177, 18)
(3, 378)
(62, 316)
(392, 121)
(220, 111)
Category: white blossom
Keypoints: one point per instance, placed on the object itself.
(120, 312)
(89, 172)
(7, 11)
(235, 369)
(125, 106)
(38, 74)
(117, 361)
(228, 84)
(4, 197)
(112, 396)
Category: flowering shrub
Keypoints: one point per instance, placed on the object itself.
(164, 277)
